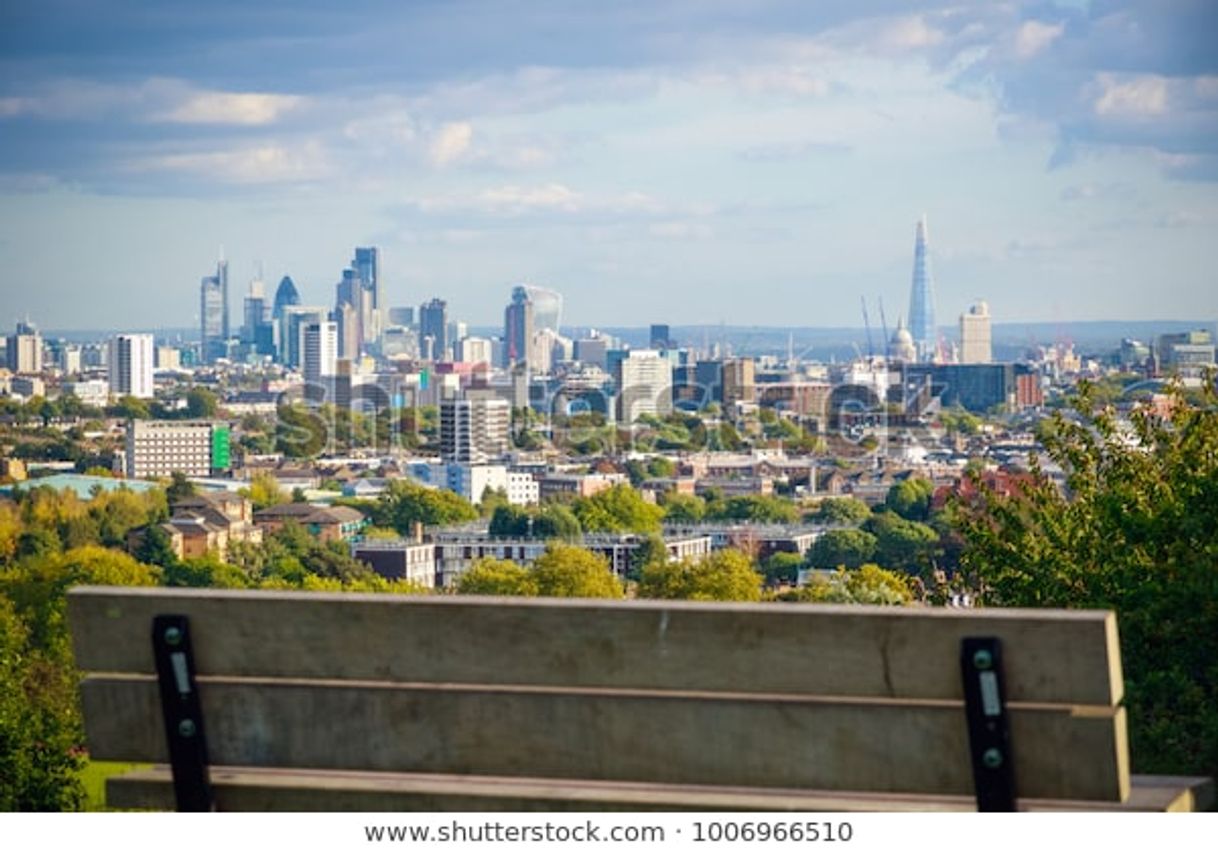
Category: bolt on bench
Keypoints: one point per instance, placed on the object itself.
(312, 701)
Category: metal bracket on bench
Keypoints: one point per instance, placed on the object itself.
(988, 725)
(175, 668)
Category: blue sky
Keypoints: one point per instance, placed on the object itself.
(690, 161)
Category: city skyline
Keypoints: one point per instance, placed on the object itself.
(647, 161)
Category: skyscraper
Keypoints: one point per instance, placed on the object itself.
(213, 314)
(433, 329)
(24, 350)
(130, 366)
(644, 385)
(367, 266)
(518, 328)
(473, 432)
(975, 335)
(319, 342)
(661, 336)
(350, 302)
(922, 298)
(286, 294)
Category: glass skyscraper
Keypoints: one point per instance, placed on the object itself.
(922, 299)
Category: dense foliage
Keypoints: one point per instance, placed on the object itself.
(1135, 530)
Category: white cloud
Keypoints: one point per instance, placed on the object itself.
(1034, 36)
(514, 200)
(262, 164)
(1135, 97)
(237, 108)
(909, 33)
(451, 143)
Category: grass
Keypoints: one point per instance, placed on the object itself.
(93, 777)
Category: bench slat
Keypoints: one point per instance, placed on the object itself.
(1069, 657)
(768, 741)
(245, 789)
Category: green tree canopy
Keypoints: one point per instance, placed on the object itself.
(264, 491)
(682, 509)
(901, 544)
(39, 725)
(565, 571)
(617, 509)
(726, 575)
(781, 567)
(868, 584)
(490, 576)
(843, 511)
(1136, 530)
(403, 503)
(849, 548)
(759, 508)
(201, 403)
(910, 498)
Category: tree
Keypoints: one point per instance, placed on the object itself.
(759, 508)
(849, 548)
(179, 488)
(39, 725)
(565, 571)
(726, 575)
(843, 511)
(201, 403)
(910, 498)
(682, 509)
(404, 503)
(1135, 530)
(490, 576)
(616, 509)
(901, 544)
(156, 547)
(781, 567)
(868, 584)
(210, 572)
(264, 491)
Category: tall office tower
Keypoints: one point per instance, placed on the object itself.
(352, 333)
(130, 366)
(319, 345)
(660, 336)
(644, 385)
(291, 331)
(547, 306)
(922, 298)
(475, 431)
(474, 350)
(401, 316)
(213, 315)
(518, 324)
(738, 381)
(346, 319)
(433, 329)
(367, 266)
(254, 317)
(23, 350)
(975, 335)
(286, 294)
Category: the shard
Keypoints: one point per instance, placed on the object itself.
(922, 299)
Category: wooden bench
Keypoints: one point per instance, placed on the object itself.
(313, 701)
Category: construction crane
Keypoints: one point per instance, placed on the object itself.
(867, 324)
(884, 326)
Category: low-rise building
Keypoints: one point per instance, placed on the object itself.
(399, 559)
(161, 448)
(326, 523)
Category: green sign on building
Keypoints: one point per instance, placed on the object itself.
(220, 455)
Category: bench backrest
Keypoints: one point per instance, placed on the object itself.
(845, 698)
